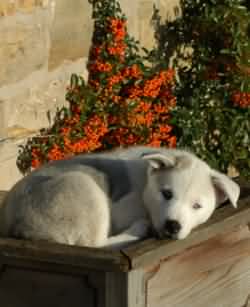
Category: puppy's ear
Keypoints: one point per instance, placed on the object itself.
(160, 161)
(226, 188)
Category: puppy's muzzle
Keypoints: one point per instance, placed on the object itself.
(172, 228)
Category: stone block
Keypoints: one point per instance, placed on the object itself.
(27, 103)
(8, 169)
(27, 6)
(169, 9)
(146, 31)
(71, 32)
(9, 8)
(24, 46)
(2, 121)
(130, 9)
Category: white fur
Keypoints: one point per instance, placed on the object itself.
(71, 208)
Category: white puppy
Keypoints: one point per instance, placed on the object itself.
(112, 199)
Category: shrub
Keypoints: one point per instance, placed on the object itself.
(212, 116)
(124, 102)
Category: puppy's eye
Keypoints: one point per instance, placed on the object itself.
(197, 206)
(167, 194)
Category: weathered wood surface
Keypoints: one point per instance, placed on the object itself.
(25, 288)
(125, 289)
(215, 273)
(12, 250)
(2, 195)
(224, 220)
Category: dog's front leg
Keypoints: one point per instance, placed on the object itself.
(137, 231)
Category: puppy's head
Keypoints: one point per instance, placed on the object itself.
(183, 191)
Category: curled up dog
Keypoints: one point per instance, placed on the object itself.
(113, 199)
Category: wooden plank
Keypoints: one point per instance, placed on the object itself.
(22, 288)
(80, 257)
(224, 220)
(2, 195)
(215, 273)
(42, 266)
(125, 289)
(136, 289)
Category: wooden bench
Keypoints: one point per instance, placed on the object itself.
(211, 268)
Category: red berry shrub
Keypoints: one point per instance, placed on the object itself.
(124, 101)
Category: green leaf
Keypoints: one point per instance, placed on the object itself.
(74, 81)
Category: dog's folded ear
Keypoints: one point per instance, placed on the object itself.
(160, 161)
(226, 188)
(168, 160)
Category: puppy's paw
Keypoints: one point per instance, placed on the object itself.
(140, 228)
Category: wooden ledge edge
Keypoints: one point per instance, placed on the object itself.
(66, 255)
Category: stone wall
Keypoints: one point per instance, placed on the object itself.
(42, 43)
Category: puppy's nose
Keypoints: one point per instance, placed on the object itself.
(172, 227)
